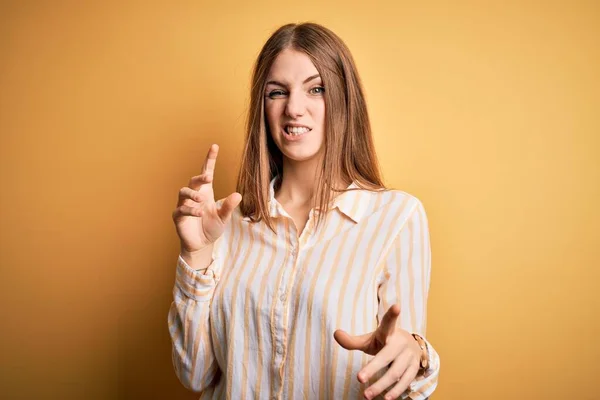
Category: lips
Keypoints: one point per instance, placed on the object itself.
(295, 133)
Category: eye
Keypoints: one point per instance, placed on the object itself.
(275, 94)
(317, 90)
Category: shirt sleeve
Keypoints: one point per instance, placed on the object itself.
(406, 275)
(192, 351)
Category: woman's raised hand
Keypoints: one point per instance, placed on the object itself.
(198, 220)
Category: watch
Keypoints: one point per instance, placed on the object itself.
(424, 363)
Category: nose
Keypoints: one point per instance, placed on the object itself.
(296, 105)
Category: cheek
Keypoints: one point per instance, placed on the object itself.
(319, 114)
(273, 113)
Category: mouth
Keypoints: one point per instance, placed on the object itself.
(295, 132)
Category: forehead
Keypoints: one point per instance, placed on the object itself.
(292, 66)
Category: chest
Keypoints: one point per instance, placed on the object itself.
(331, 274)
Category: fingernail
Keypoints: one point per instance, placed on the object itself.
(368, 394)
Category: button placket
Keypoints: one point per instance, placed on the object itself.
(284, 284)
(280, 309)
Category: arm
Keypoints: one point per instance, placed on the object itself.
(200, 222)
(406, 276)
(192, 350)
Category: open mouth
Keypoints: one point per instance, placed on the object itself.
(296, 131)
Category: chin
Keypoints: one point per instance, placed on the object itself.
(300, 158)
(299, 153)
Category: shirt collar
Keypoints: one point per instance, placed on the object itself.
(351, 203)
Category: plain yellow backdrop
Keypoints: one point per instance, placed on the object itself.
(486, 111)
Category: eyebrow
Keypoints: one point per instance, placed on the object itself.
(310, 78)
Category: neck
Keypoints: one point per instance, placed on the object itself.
(299, 182)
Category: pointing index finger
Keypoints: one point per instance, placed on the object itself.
(211, 160)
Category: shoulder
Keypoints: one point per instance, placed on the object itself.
(399, 199)
(407, 214)
(399, 208)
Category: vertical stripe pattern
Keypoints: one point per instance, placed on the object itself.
(259, 321)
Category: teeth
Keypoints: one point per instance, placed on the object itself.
(295, 130)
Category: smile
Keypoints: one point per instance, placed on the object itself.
(296, 130)
(293, 133)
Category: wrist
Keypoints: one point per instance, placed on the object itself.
(198, 259)
(424, 360)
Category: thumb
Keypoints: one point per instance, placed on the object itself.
(388, 322)
(229, 204)
(350, 342)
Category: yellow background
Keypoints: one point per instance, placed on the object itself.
(487, 111)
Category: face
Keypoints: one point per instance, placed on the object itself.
(295, 106)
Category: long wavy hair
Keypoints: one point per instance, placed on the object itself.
(349, 154)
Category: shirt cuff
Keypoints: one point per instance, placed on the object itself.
(426, 381)
(432, 358)
(197, 285)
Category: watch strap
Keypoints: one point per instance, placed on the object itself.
(424, 362)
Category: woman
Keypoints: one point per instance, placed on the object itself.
(276, 290)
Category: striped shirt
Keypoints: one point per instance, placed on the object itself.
(258, 322)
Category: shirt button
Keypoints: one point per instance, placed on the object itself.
(282, 297)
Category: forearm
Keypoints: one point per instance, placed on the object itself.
(192, 350)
